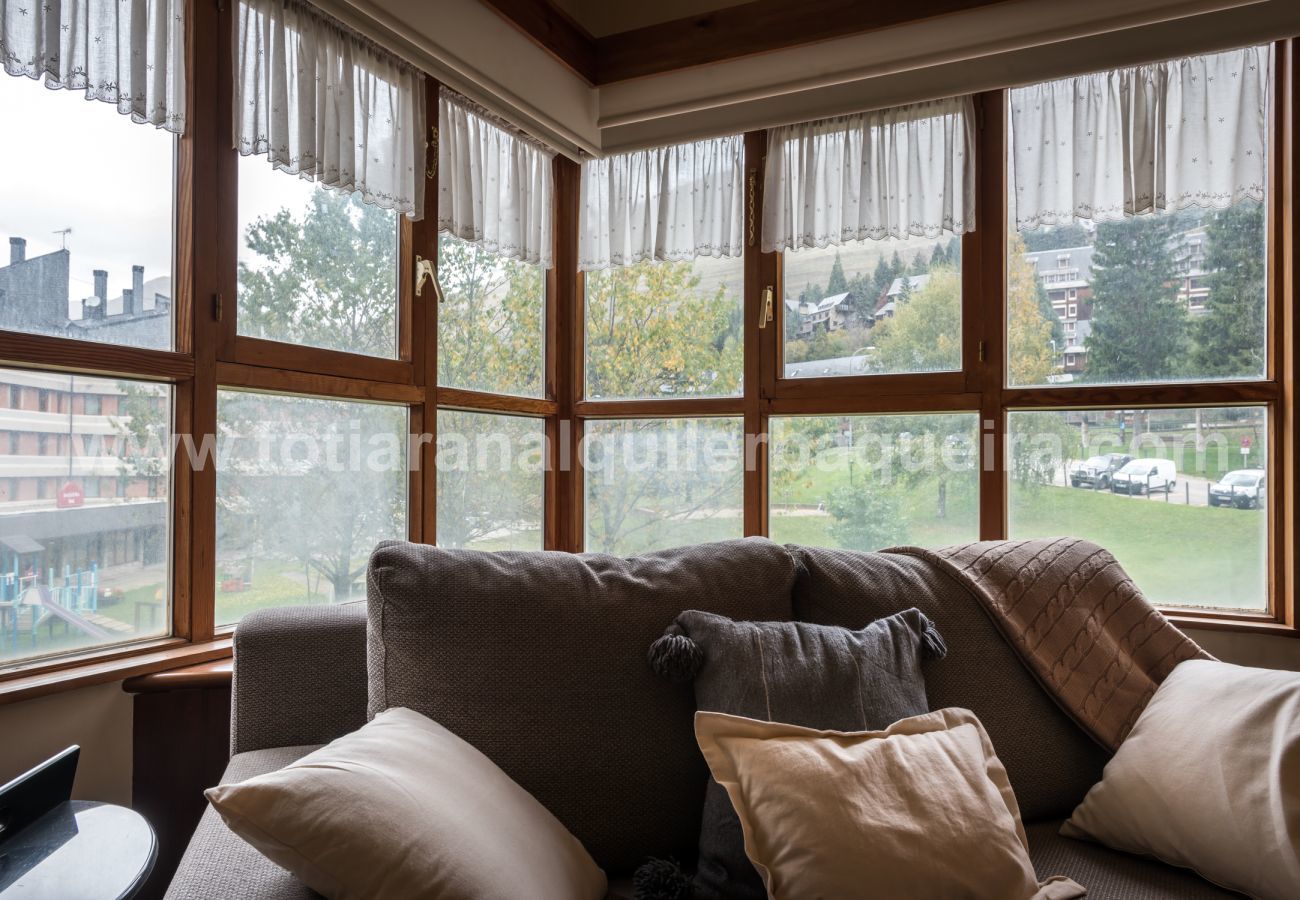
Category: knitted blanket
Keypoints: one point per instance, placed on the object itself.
(1080, 624)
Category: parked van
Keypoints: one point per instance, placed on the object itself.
(1145, 476)
(1242, 488)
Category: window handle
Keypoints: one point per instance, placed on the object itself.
(424, 272)
(765, 314)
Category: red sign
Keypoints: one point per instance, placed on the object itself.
(1245, 443)
(71, 495)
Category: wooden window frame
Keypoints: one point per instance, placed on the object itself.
(209, 355)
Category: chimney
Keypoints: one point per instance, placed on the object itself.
(101, 284)
(17, 250)
(136, 302)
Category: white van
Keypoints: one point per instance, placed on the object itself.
(1145, 476)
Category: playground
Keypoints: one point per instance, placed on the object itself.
(50, 611)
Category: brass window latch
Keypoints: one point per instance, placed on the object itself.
(424, 272)
(765, 314)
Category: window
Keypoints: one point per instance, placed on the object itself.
(1173, 493)
(305, 489)
(264, 360)
(491, 327)
(872, 482)
(665, 329)
(655, 483)
(89, 257)
(316, 267)
(59, 594)
(490, 481)
(872, 308)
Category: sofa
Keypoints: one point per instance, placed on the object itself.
(539, 660)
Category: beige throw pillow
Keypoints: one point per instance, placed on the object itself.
(1209, 778)
(403, 808)
(920, 810)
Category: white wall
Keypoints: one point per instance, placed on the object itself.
(97, 718)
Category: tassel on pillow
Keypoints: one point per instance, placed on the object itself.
(675, 656)
(661, 879)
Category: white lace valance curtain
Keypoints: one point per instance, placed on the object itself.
(889, 173)
(320, 101)
(667, 203)
(127, 52)
(494, 183)
(1165, 136)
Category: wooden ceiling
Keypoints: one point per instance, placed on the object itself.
(709, 36)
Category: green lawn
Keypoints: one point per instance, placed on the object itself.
(1184, 555)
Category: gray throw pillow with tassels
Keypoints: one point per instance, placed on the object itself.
(816, 676)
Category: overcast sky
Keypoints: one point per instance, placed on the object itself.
(80, 164)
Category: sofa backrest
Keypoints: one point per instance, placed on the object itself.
(539, 661)
(1050, 761)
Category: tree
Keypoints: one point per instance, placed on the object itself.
(651, 332)
(329, 277)
(1059, 237)
(866, 518)
(490, 328)
(1139, 326)
(1231, 336)
(837, 284)
(924, 334)
(311, 481)
(1029, 331)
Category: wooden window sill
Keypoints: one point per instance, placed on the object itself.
(160, 657)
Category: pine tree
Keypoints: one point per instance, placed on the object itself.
(1230, 338)
(837, 284)
(1139, 326)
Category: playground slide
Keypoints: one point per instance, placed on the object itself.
(73, 619)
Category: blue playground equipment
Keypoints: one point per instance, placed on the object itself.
(27, 601)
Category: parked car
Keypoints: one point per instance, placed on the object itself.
(1243, 488)
(1096, 471)
(1139, 476)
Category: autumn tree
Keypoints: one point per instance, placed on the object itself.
(924, 334)
(650, 333)
(1029, 331)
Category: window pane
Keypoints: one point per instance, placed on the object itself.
(84, 511)
(655, 483)
(305, 489)
(1178, 495)
(492, 326)
(490, 472)
(872, 308)
(665, 329)
(871, 482)
(315, 267)
(87, 211)
(1165, 297)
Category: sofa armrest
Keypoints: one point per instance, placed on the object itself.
(300, 676)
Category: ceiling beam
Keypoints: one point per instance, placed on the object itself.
(758, 26)
(554, 31)
(755, 27)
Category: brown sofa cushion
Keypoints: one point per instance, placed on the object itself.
(1050, 761)
(539, 661)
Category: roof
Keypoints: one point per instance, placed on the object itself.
(821, 306)
(916, 282)
(1047, 262)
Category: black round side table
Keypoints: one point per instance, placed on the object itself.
(78, 849)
